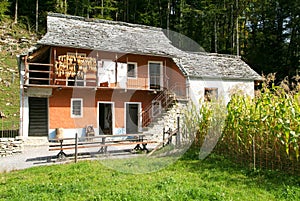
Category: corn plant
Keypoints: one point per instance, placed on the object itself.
(263, 131)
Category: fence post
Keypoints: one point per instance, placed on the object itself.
(254, 154)
(163, 137)
(2, 127)
(76, 147)
(13, 78)
(178, 131)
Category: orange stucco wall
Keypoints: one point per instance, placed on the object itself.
(60, 101)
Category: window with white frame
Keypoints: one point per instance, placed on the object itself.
(131, 70)
(76, 107)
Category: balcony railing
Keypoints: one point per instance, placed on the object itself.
(162, 102)
(42, 74)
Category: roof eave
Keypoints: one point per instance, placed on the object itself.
(112, 51)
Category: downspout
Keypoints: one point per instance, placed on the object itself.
(165, 77)
(187, 85)
(116, 70)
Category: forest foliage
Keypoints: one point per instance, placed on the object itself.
(265, 33)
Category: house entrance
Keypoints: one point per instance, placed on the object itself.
(132, 118)
(38, 116)
(105, 118)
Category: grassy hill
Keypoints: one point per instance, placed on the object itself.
(14, 39)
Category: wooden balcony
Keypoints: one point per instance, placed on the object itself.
(43, 75)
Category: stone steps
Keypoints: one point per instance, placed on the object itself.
(36, 141)
(168, 119)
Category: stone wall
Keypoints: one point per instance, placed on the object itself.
(10, 146)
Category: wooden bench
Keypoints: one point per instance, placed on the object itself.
(101, 142)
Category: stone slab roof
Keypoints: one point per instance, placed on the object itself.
(121, 37)
(209, 65)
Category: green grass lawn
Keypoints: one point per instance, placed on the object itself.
(215, 178)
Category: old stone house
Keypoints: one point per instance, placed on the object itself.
(115, 76)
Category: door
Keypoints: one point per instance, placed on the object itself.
(105, 118)
(38, 116)
(132, 118)
(155, 75)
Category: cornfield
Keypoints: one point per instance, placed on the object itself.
(261, 132)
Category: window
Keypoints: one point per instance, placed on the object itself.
(210, 94)
(131, 70)
(76, 107)
(80, 79)
(156, 108)
(155, 72)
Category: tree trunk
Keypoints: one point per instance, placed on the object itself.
(88, 10)
(168, 19)
(233, 30)
(102, 9)
(66, 7)
(216, 35)
(37, 16)
(237, 29)
(16, 12)
(76, 7)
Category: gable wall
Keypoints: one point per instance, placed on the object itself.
(225, 88)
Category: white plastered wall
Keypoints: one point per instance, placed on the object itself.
(225, 88)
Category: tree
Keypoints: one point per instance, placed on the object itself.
(265, 33)
(4, 4)
(61, 6)
(37, 16)
(16, 12)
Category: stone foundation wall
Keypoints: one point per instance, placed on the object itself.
(10, 146)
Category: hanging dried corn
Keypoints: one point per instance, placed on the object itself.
(71, 65)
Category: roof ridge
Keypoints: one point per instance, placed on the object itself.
(225, 55)
(66, 16)
(215, 54)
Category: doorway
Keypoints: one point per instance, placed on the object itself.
(38, 117)
(105, 111)
(132, 118)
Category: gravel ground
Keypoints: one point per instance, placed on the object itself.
(40, 155)
(30, 157)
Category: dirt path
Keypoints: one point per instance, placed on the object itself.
(39, 155)
(30, 157)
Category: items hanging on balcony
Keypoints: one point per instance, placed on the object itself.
(71, 66)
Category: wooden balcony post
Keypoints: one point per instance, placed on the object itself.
(26, 69)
